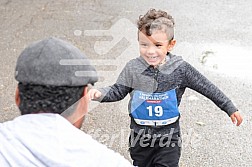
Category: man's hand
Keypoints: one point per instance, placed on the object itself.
(236, 118)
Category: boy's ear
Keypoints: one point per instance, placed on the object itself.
(171, 45)
(17, 97)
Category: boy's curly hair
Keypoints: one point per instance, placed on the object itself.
(156, 20)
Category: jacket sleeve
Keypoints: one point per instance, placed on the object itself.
(120, 89)
(196, 81)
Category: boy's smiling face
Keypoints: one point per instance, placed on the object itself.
(155, 47)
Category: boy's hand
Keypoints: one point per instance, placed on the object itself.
(236, 118)
(94, 94)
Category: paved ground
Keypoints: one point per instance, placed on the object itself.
(209, 138)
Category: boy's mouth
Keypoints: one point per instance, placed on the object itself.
(152, 58)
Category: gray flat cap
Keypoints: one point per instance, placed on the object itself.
(54, 62)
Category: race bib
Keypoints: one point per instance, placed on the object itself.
(155, 109)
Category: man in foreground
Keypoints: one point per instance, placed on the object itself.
(51, 97)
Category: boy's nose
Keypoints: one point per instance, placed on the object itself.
(151, 50)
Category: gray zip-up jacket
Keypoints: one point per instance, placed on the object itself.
(174, 74)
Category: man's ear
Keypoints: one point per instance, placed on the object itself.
(85, 91)
(17, 97)
(81, 110)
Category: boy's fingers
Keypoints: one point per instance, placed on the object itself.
(91, 94)
(94, 94)
(97, 94)
(239, 120)
(236, 118)
(233, 119)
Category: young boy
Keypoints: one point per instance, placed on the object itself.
(156, 81)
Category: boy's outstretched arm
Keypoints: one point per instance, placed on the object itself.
(196, 81)
(236, 118)
(112, 93)
(117, 91)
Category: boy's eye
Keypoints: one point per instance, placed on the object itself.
(158, 45)
(143, 45)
